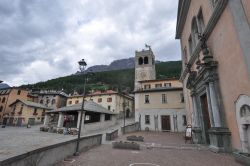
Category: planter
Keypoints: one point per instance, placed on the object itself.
(243, 158)
(135, 138)
(126, 145)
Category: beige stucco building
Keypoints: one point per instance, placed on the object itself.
(26, 112)
(111, 100)
(8, 96)
(159, 104)
(215, 43)
(50, 98)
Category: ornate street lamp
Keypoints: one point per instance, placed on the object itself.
(82, 65)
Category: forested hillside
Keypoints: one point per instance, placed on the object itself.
(116, 79)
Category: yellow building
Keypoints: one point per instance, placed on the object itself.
(159, 104)
(8, 96)
(26, 112)
(112, 100)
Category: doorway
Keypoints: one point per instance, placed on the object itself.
(206, 118)
(165, 123)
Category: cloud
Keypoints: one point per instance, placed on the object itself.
(43, 39)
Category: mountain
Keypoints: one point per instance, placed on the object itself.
(114, 79)
(120, 64)
(3, 86)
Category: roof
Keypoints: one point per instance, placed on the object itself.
(160, 89)
(166, 79)
(50, 92)
(88, 106)
(31, 104)
(99, 93)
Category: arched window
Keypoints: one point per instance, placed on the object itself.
(3, 100)
(47, 101)
(145, 60)
(53, 101)
(1, 108)
(245, 110)
(140, 61)
(194, 32)
(201, 24)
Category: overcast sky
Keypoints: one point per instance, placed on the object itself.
(44, 39)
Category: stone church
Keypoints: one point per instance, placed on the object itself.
(159, 103)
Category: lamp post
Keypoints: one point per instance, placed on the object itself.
(124, 115)
(82, 65)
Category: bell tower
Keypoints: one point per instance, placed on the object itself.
(144, 66)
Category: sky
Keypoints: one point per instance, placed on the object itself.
(44, 39)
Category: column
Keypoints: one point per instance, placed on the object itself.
(60, 120)
(214, 105)
(196, 122)
(209, 106)
(102, 118)
(79, 117)
(46, 120)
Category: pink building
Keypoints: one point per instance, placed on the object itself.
(215, 42)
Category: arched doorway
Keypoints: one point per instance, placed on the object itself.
(243, 121)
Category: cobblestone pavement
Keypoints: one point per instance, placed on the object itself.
(159, 149)
(18, 140)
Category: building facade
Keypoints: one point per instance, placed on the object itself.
(159, 104)
(8, 96)
(111, 100)
(215, 42)
(26, 112)
(50, 98)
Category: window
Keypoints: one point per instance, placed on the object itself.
(194, 34)
(146, 60)
(107, 117)
(158, 85)
(163, 98)
(190, 43)
(77, 101)
(99, 100)
(167, 84)
(53, 101)
(201, 25)
(147, 86)
(109, 99)
(146, 98)
(147, 119)
(41, 101)
(1, 108)
(47, 101)
(3, 100)
(35, 111)
(140, 61)
(18, 92)
(182, 97)
(184, 120)
(14, 108)
(21, 109)
(70, 102)
(109, 107)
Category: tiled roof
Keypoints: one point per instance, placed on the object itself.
(88, 106)
(31, 104)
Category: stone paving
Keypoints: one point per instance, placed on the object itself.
(18, 140)
(158, 149)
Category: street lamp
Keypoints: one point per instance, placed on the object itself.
(82, 65)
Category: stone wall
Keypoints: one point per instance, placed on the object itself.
(49, 155)
(131, 128)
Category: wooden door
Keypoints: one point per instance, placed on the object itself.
(165, 122)
(206, 118)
